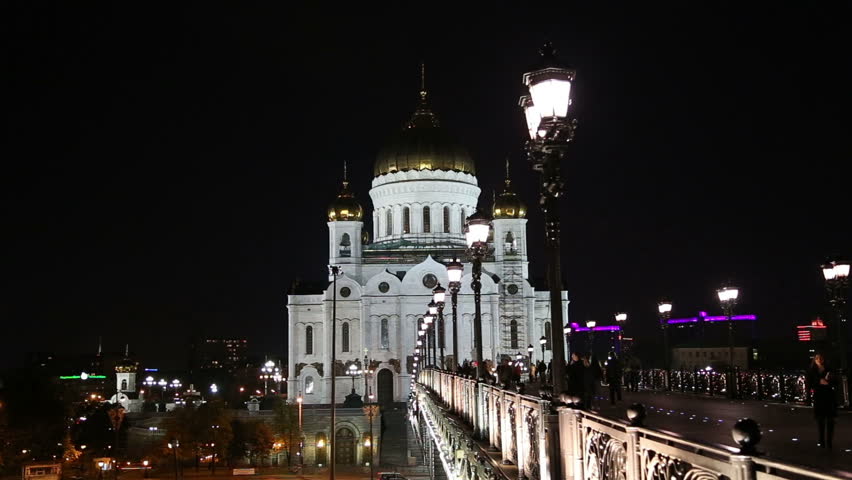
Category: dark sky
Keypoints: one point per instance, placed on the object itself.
(167, 167)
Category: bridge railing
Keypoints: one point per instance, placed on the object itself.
(785, 387)
(546, 443)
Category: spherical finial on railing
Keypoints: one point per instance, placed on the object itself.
(636, 414)
(747, 434)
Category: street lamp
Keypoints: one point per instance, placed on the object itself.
(433, 312)
(836, 273)
(567, 331)
(334, 271)
(590, 324)
(439, 294)
(428, 319)
(455, 269)
(353, 372)
(728, 300)
(550, 130)
(620, 319)
(476, 230)
(664, 307)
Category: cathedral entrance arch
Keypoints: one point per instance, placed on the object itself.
(344, 450)
(385, 387)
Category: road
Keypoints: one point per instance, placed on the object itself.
(789, 432)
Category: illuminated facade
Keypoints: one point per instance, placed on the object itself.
(423, 189)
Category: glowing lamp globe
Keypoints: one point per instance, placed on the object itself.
(476, 229)
(455, 269)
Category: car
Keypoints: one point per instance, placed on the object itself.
(389, 476)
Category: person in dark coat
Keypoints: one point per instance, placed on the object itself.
(613, 378)
(822, 382)
(591, 375)
(575, 377)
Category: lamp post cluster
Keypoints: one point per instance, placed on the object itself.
(269, 371)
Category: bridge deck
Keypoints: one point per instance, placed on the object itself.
(709, 419)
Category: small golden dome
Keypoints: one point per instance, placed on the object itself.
(345, 208)
(508, 204)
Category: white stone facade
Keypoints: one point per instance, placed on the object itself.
(386, 285)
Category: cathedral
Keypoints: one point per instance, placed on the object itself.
(424, 187)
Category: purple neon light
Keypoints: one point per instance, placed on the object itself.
(712, 318)
(722, 318)
(683, 320)
(605, 328)
(702, 314)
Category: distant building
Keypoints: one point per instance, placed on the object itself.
(228, 354)
(700, 357)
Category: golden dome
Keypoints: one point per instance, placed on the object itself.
(508, 204)
(345, 208)
(423, 145)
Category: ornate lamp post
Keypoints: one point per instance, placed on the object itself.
(429, 321)
(335, 272)
(836, 273)
(371, 410)
(353, 372)
(546, 111)
(567, 331)
(476, 230)
(433, 311)
(530, 351)
(455, 269)
(590, 324)
(728, 299)
(439, 294)
(620, 319)
(664, 307)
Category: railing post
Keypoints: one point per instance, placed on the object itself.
(550, 464)
(743, 467)
(634, 456)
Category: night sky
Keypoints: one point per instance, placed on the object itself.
(167, 167)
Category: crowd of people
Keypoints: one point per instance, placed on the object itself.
(584, 372)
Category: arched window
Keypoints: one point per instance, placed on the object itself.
(123, 384)
(446, 219)
(389, 223)
(309, 385)
(547, 336)
(406, 220)
(427, 220)
(309, 341)
(321, 449)
(509, 246)
(345, 337)
(385, 337)
(345, 246)
(513, 334)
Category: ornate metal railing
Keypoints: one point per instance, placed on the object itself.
(786, 387)
(538, 442)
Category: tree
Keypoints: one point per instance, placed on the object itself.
(260, 439)
(286, 426)
(206, 428)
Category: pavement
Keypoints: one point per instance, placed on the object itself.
(789, 431)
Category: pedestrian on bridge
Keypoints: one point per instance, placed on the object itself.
(613, 378)
(822, 382)
(575, 377)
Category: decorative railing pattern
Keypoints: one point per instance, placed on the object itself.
(786, 387)
(572, 444)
